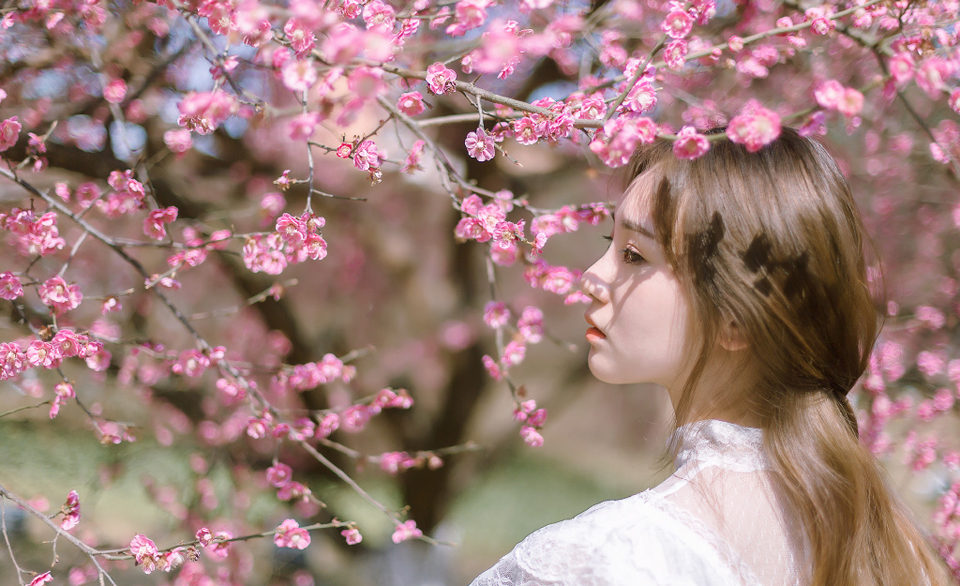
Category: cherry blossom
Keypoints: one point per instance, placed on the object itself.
(406, 530)
(9, 132)
(41, 579)
(677, 24)
(440, 79)
(480, 145)
(352, 536)
(71, 511)
(754, 129)
(411, 103)
(10, 286)
(690, 144)
(58, 295)
(289, 534)
(155, 224)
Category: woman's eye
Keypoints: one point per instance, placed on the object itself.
(631, 257)
(608, 238)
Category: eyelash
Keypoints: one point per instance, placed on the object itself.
(630, 257)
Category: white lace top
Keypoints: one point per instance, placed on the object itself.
(716, 521)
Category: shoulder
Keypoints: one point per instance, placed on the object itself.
(616, 543)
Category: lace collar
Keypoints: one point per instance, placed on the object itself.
(713, 442)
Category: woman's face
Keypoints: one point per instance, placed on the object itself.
(638, 313)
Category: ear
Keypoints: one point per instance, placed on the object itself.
(732, 338)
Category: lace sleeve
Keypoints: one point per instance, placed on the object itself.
(619, 543)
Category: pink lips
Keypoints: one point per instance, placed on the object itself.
(593, 332)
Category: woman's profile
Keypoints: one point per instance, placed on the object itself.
(737, 281)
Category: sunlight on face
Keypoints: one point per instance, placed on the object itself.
(638, 312)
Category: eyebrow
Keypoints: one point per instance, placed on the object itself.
(635, 227)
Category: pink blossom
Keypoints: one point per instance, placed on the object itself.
(379, 16)
(366, 156)
(299, 75)
(291, 229)
(677, 24)
(264, 254)
(57, 294)
(41, 579)
(406, 530)
(9, 133)
(143, 550)
(675, 54)
(329, 423)
(954, 100)
(931, 74)
(64, 391)
(202, 112)
(754, 129)
(115, 91)
(365, 82)
(525, 131)
(155, 223)
(850, 103)
(931, 317)
(178, 141)
(530, 324)
(642, 98)
(492, 368)
(496, 314)
(470, 15)
(943, 400)
(220, 547)
(480, 145)
(71, 511)
(352, 536)
(531, 436)
(283, 181)
(355, 418)
(690, 144)
(411, 103)
(289, 534)
(829, 94)
(279, 475)
(10, 286)
(930, 363)
(301, 37)
(292, 490)
(412, 162)
(13, 360)
(393, 462)
(901, 67)
(513, 353)
(303, 126)
(440, 79)
(191, 363)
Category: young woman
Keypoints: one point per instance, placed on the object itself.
(737, 282)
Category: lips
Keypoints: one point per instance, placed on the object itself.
(593, 332)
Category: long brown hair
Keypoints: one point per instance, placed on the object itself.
(772, 242)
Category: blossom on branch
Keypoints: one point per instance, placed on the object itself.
(690, 144)
(9, 133)
(480, 145)
(289, 534)
(71, 511)
(440, 79)
(406, 530)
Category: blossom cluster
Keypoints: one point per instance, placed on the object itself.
(295, 240)
(34, 235)
(17, 357)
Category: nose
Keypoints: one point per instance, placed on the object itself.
(593, 283)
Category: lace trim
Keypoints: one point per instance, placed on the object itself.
(719, 443)
(725, 551)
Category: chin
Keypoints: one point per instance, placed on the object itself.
(606, 373)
